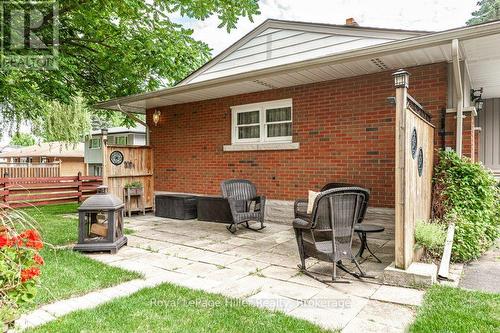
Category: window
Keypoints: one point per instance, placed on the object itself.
(121, 140)
(96, 170)
(44, 159)
(26, 159)
(95, 143)
(262, 122)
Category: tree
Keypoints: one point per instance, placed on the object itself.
(110, 48)
(489, 10)
(22, 139)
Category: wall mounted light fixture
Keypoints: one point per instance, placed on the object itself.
(156, 117)
(476, 97)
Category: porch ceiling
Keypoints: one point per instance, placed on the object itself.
(479, 48)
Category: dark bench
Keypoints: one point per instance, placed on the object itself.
(176, 206)
(214, 209)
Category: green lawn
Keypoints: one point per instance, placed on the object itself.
(169, 308)
(54, 226)
(453, 310)
(67, 273)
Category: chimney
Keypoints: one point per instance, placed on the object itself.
(351, 22)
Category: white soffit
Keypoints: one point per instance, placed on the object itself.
(483, 61)
(305, 76)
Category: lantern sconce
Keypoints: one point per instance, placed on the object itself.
(401, 79)
(156, 117)
(477, 99)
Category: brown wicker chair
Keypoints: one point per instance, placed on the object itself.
(335, 212)
(244, 203)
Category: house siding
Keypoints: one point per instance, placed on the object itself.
(345, 129)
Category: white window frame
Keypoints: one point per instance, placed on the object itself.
(121, 136)
(91, 146)
(261, 107)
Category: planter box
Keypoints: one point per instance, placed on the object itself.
(133, 191)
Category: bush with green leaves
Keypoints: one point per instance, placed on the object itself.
(431, 235)
(467, 193)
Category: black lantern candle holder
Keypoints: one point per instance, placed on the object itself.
(101, 223)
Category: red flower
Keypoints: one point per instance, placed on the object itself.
(30, 234)
(29, 273)
(15, 241)
(38, 259)
(4, 241)
(32, 239)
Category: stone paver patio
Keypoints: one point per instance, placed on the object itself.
(258, 267)
(261, 267)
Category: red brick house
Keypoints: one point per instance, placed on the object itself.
(292, 106)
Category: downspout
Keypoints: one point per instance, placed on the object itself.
(455, 52)
(134, 118)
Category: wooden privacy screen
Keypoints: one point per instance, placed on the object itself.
(23, 192)
(414, 164)
(137, 165)
(27, 170)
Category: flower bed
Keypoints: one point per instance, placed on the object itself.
(20, 263)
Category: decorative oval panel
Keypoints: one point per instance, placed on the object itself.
(420, 161)
(414, 142)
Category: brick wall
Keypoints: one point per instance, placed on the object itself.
(345, 129)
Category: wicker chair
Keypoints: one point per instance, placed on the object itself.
(335, 212)
(300, 206)
(244, 202)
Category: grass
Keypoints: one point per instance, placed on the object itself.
(67, 273)
(454, 310)
(54, 226)
(169, 308)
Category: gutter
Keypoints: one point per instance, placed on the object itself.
(431, 40)
(457, 76)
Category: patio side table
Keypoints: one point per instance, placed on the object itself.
(176, 206)
(362, 229)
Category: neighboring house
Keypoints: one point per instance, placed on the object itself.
(293, 105)
(119, 136)
(70, 156)
(6, 149)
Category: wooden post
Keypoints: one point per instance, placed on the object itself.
(444, 267)
(401, 255)
(80, 184)
(7, 192)
(104, 149)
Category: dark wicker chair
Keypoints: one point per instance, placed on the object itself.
(244, 202)
(335, 212)
(300, 206)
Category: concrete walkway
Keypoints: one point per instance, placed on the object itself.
(482, 274)
(258, 267)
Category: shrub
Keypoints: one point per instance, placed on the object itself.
(431, 235)
(20, 263)
(466, 193)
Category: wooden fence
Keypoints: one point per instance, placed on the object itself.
(137, 166)
(23, 192)
(414, 164)
(28, 170)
